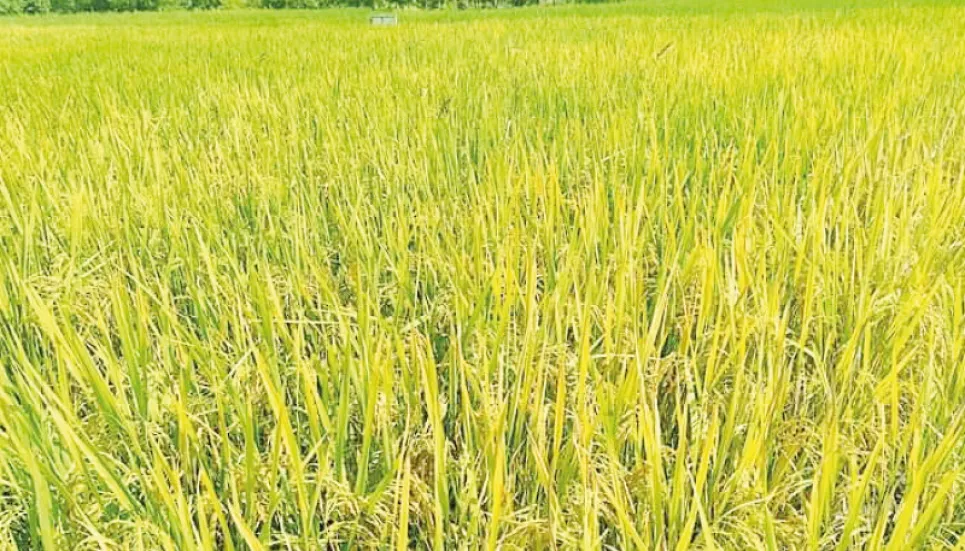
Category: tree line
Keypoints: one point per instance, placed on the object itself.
(75, 6)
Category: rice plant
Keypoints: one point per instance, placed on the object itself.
(626, 277)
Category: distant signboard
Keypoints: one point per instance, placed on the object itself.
(384, 19)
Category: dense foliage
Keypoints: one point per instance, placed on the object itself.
(72, 6)
(504, 279)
